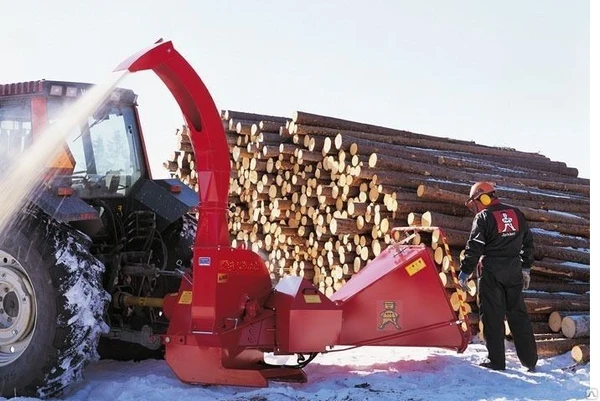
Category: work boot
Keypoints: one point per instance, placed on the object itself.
(490, 365)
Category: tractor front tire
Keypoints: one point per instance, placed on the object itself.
(52, 307)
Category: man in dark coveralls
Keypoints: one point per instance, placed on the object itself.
(501, 241)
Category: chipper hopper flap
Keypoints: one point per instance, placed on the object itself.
(398, 299)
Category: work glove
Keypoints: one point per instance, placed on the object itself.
(462, 281)
(526, 278)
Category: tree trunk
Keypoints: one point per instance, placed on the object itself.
(434, 219)
(556, 317)
(440, 195)
(576, 326)
(538, 305)
(558, 346)
(561, 269)
(572, 255)
(581, 353)
(559, 286)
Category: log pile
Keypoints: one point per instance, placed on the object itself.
(318, 196)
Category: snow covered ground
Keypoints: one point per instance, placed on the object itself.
(367, 373)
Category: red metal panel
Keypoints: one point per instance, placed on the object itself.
(224, 280)
(206, 134)
(398, 299)
(213, 170)
(39, 115)
(307, 321)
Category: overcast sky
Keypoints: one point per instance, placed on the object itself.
(512, 73)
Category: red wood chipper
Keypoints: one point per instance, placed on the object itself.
(227, 315)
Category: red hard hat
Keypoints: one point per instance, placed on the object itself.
(480, 188)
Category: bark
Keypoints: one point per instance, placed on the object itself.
(538, 305)
(561, 269)
(558, 346)
(557, 240)
(446, 221)
(565, 254)
(229, 114)
(577, 230)
(581, 353)
(560, 286)
(556, 317)
(404, 137)
(576, 326)
(524, 167)
(440, 195)
(454, 238)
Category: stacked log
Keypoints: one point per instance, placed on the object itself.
(318, 196)
(581, 353)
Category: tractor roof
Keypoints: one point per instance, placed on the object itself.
(57, 88)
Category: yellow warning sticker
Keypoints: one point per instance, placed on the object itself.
(222, 278)
(415, 267)
(64, 159)
(312, 298)
(185, 298)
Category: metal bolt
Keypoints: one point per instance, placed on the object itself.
(9, 319)
(15, 332)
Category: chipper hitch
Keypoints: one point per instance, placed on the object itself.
(226, 314)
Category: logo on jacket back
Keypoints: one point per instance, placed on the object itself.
(506, 222)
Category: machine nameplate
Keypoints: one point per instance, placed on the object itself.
(239, 266)
(185, 298)
(415, 267)
(312, 298)
(204, 261)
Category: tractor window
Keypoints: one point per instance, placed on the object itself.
(15, 130)
(112, 149)
(106, 151)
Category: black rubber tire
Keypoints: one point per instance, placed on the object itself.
(70, 305)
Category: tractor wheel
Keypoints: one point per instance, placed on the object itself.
(51, 309)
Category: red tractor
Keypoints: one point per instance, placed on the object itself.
(102, 259)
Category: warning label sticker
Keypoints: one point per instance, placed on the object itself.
(185, 298)
(415, 267)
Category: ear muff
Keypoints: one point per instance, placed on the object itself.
(485, 199)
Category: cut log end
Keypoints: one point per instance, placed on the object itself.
(576, 326)
(581, 353)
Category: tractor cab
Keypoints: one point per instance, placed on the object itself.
(103, 158)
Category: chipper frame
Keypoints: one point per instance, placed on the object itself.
(226, 314)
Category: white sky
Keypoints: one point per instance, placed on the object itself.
(509, 73)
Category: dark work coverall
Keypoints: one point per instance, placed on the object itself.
(501, 236)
